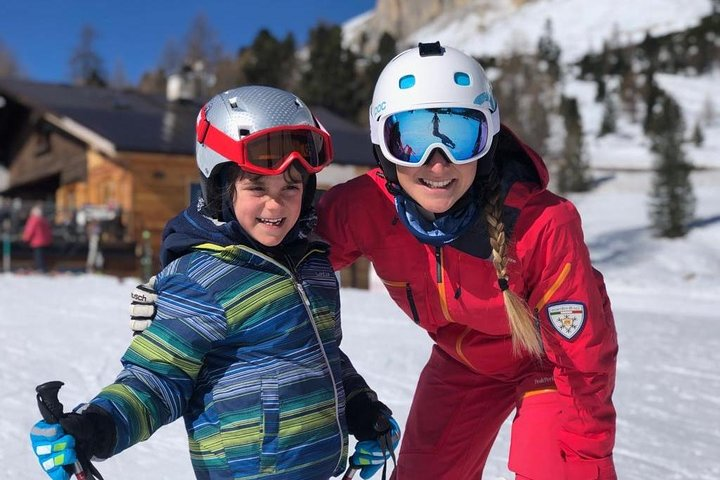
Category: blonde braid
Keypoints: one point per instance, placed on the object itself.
(521, 319)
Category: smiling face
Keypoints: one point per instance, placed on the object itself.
(267, 207)
(437, 184)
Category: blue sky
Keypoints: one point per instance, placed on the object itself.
(41, 34)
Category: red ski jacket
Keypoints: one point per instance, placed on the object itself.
(452, 291)
(37, 232)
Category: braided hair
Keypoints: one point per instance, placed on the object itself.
(522, 320)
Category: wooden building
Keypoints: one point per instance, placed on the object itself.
(125, 152)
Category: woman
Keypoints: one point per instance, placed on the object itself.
(38, 234)
(473, 247)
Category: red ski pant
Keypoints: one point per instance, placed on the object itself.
(455, 416)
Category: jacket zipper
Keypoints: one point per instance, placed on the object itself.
(409, 295)
(441, 285)
(306, 303)
(411, 300)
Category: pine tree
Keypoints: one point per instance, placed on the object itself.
(672, 201)
(573, 174)
(652, 95)
(330, 79)
(387, 49)
(548, 51)
(609, 119)
(698, 138)
(86, 66)
(270, 62)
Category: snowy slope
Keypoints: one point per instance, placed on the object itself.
(579, 26)
(666, 297)
(629, 148)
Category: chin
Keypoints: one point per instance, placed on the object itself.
(438, 207)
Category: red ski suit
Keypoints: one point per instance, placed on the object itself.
(37, 232)
(473, 381)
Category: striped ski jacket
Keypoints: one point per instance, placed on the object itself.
(246, 349)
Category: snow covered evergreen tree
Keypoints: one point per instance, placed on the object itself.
(672, 201)
(548, 51)
(608, 123)
(573, 174)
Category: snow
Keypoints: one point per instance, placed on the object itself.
(666, 297)
(492, 28)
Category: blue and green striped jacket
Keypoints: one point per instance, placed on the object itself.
(247, 351)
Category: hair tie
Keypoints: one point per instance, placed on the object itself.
(503, 283)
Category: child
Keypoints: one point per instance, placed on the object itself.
(245, 341)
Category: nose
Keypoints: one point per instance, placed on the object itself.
(437, 160)
(274, 202)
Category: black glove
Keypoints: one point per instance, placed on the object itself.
(93, 429)
(367, 417)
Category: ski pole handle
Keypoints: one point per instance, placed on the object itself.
(52, 410)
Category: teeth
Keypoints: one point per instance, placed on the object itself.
(431, 184)
(271, 221)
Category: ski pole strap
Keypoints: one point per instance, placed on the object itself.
(386, 445)
(91, 473)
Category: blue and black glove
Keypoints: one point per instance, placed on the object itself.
(370, 422)
(54, 448)
(77, 437)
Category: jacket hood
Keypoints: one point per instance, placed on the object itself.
(518, 162)
(191, 228)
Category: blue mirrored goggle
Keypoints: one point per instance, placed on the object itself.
(409, 137)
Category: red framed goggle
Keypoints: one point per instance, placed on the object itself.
(270, 151)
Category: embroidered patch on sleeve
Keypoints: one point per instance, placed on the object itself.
(567, 318)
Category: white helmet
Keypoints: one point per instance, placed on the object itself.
(430, 77)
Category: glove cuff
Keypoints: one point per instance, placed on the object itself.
(94, 431)
(362, 412)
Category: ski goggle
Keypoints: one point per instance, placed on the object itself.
(410, 137)
(270, 151)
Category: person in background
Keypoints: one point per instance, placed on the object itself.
(472, 246)
(245, 343)
(38, 234)
(95, 258)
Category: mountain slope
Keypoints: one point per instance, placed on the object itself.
(484, 28)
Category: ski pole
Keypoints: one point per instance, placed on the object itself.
(381, 425)
(52, 410)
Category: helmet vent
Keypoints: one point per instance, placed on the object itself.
(233, 102)
(407, 81)
(244, 132)
(462, 79)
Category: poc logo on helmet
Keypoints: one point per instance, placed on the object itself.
(379, 108)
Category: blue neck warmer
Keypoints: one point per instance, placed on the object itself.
(437, 232)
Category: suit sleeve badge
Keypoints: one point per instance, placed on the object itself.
(567, 318)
